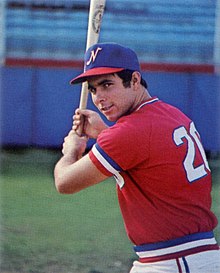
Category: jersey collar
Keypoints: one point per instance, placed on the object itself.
(150, 101)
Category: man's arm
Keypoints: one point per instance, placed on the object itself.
(73, 172)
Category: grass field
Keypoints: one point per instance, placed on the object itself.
(45, 232)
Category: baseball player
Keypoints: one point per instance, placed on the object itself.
(155, 153)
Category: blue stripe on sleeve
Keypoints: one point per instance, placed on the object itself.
(108, 158)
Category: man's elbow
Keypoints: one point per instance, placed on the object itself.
(61, 188)
(61, 184)
(65, 188)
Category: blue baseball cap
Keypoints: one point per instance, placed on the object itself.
(107, 58)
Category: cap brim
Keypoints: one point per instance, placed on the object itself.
(94, 72)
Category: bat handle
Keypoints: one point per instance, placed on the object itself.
(82, 105)
(80, 128)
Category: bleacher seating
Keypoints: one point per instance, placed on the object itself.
(160, 31)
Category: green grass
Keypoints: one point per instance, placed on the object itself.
(45, 232)
(215, 168)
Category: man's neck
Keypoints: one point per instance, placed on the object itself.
(141, 97)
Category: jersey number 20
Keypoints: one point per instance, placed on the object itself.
(192, 140)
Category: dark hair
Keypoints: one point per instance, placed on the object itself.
(126, 76)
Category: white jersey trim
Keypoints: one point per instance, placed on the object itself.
(147, 102)
(118, 177)
(174, 249)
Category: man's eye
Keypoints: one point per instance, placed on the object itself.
(92, 90)
(106, 85)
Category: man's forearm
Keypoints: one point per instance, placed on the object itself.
(62, 173)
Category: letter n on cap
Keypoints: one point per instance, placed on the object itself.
(93, 55)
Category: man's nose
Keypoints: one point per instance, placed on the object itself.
(100, 96)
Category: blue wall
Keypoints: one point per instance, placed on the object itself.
(37, 104)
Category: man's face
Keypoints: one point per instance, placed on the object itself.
(110, 96)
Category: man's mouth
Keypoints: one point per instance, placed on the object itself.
(105, 109)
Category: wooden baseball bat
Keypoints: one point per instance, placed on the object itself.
(96, 12)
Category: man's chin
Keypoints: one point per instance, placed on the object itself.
(111, 118)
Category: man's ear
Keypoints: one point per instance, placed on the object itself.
(136, 79)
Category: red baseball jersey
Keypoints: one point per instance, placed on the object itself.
(163, 177)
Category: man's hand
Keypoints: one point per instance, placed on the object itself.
(74, 146)
(93, 124)
(73, 172)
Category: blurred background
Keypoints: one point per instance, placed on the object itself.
(42, 47)
(42, 43)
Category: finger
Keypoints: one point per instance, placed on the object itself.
(77, 111)
(76, 122)
(76, 117)
(74, 127)
(83, 112)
